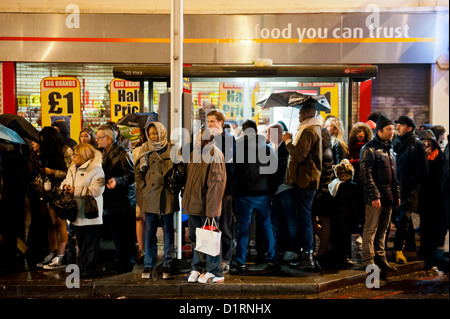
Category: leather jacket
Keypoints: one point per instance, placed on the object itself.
(118, 163)
(378, 172)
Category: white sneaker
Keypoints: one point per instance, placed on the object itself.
(56, 263)
(210, 278)
(359, 240)
(193, 277)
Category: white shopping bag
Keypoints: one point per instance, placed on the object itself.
(207, 240)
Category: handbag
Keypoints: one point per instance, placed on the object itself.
(208, 238)
(37, 185)
(175, 178)
(90, 206)
(65, 206)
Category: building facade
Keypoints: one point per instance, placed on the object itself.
(406, 42)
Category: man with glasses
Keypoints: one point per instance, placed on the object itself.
(119, 198)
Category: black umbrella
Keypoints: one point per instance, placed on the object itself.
(20, 125)
(138, 119)
(296, 100)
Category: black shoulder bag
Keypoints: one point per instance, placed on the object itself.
(65, 206)
(175, 178)
(90, 206)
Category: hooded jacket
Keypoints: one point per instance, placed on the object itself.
(150, 168)
(355, 147)
(88, 179)
(430, 194)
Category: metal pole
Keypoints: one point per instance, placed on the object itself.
(176, 86)
(150, 95)
(141, 96)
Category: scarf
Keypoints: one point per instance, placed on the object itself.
(162, 136)
(432, 155)
(316, 120)
(334, 186)
(150, 146)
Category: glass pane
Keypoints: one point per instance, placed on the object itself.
(237, 98)
(158, 88)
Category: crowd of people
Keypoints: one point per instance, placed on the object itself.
(306, 193)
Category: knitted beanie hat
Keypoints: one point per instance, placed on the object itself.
(383, 121)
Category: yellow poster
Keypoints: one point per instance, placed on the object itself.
(61, 100)
(124, 98)
(231, 100)
(333, 88)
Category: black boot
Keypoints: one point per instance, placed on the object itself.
(385, 266)
(307, 261)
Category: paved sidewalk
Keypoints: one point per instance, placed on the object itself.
(257, 281)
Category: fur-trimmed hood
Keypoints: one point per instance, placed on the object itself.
(358, 127)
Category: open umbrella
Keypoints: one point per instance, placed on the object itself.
(9, 135)
(138, 119)
(296, 100)
(20, 125)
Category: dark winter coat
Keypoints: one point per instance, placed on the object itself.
(412, 167)
(118, 163)
(346, 205)
(249, 178)
(283, 156)
(378, 172)
(431, 195)
(327, 174)
(226, 143)
(339, 152)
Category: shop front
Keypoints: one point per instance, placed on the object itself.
(334, 53)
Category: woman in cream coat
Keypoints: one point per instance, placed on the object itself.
(86, 177)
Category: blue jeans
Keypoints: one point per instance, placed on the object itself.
(151, 247)
(304, 199)
(213, 263)
(244, 209)
(283, 216)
